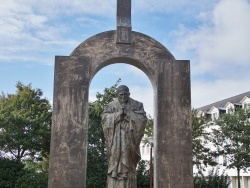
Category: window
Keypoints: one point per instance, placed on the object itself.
(230, 110)
(142, 149)
(216, 159)
(214, 115)
(236, 182)
(246, 105)
(248, 182)
(224, 160)
(147, 152)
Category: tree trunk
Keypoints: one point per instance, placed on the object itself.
(238, 175)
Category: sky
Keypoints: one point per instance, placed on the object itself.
(213, 34)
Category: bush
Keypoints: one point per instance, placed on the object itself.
(143, 176)
(10, 171)
(32, 179)
(14, 175)
(212, 180)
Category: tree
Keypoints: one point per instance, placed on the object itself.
(143, 176)
(202, 155)
(96, 157)
(10, 171)
(25, 122)
(232, 138)
(15, 174)
(149, 130)
(31, 178)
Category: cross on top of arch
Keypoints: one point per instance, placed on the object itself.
(123, 22)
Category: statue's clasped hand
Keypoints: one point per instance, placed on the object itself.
(124, 114)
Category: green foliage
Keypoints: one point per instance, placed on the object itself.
(149, 130)
(232, 138)
(10, 171)
(212, 180)
(25, 121)
(37, 166)
(202, 155)
(143, 174)
(14, 174)
(32, 179)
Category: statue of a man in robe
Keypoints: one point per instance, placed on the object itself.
(123, 122)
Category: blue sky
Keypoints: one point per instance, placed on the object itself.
(212, 34)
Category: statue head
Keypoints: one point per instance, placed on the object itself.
(123, 94)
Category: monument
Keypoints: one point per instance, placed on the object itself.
(170, 79)
(124, 122)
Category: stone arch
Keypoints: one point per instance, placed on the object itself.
(142, 53)
(170, 79)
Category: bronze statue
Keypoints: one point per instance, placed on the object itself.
(123, 122)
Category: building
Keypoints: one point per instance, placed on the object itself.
(223, 106)
(213, 111)
(145, 151)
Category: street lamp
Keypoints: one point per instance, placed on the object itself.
(150, 140)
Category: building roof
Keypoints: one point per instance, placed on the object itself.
(220, 104)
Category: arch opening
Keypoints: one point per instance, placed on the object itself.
(124, 60)
(138, 82)
(140, 89)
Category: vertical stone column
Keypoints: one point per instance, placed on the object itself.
(173, 134)
(244, 182)
(123, 21)
(233, 182)
(68, 152)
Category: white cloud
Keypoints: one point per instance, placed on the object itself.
(79, 7)
(219, 52)
(35, 31)
(28, 36)
(221, 41)
(30, 28)
(144, 95)
(169, 6)
(232, 28)
(207, 92)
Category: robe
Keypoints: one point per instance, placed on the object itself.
(123, 137)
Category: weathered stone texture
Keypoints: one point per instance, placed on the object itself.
(70, 117)
(170, 79)
(123, 22)
(173, 139)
